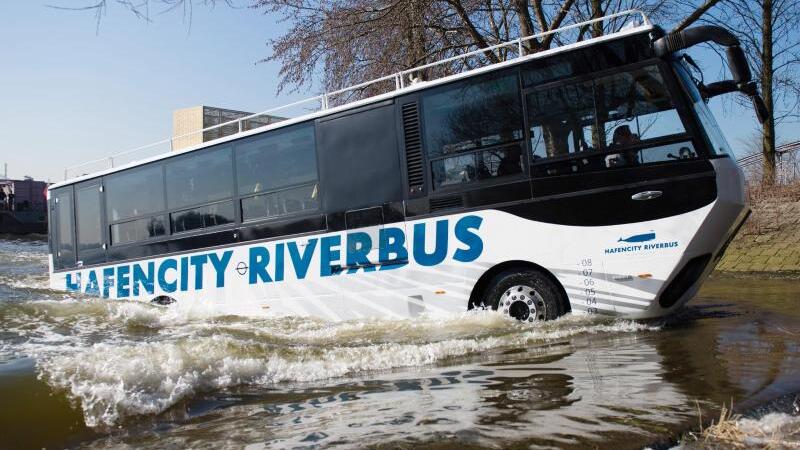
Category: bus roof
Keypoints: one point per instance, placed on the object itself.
(401, 88)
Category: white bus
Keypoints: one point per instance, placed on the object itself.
(590, 178)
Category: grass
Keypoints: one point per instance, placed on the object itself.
(728, 432)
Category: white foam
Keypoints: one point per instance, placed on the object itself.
(775, 430)
(113, 381)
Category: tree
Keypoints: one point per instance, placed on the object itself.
(767, 30)
(332, 44)
(345, 42)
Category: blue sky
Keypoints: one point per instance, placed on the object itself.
(70, 94)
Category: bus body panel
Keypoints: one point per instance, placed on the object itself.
(430, 266)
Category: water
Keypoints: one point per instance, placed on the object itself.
(76, 372)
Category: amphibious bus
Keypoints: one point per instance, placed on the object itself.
(588, 178)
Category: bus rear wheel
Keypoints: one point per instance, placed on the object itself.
(525, 295)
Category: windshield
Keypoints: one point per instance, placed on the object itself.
(718, 144)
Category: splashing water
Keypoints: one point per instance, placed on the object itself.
(122, 359)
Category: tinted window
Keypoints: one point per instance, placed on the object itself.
(471, 114)
(719, 145)
(138, 230)
(203, 217)
(276, 159)
(358, 158)
(281, 203)
(65, 248)
(561, 120)
(480, 165)
(624, 111)
(467, 129)
(635, 106)
(200, 177)
(588, 60)
(88, 218)
(134, 193)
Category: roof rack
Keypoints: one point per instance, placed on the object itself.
(401, 80)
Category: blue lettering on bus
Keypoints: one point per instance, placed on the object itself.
(184, 277)
(279, 258)
(74, 281)
(220, 264)
(300, 262)
(173, 274)
(258, 260)
(464, 233)
(123, 280)
(144, 279)
(198, 261)
(359, 244)
(108, 280)
(329, 254)
(392, 251)
(167, 286)
(92, 286)
(440, 248)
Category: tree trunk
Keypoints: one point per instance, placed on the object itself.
(768, 135)
(597, 12)
(525, 24)
(598, 133)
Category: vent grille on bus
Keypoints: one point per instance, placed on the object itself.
(453, 201)
(413, 140)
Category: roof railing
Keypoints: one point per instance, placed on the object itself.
(323, 101)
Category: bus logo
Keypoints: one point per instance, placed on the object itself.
(639, 238)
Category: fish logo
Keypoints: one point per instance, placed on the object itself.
(644, 237)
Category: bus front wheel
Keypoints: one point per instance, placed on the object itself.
(525, 295)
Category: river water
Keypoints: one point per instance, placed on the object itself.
(77, 372)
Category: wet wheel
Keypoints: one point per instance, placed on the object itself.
(525, 295)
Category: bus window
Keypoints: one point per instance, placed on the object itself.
(634, 107)
(468, 126)
(719, 145)
(134, 193)
(277, 173)
(561, 120)
(202, 217)
(65, 237)
(199, 178)
(620, 120)
(495, 162)
(138, 230)
(88, 220)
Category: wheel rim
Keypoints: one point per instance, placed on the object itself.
(523, 303)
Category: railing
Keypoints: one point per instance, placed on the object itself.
(323, 101)
(787, 164)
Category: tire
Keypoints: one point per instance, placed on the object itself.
(526, 295)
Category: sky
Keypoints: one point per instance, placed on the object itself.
(71, 93)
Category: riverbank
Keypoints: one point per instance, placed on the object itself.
(768, 245)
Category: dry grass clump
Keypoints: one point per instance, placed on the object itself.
(731, 431)
(770, 205)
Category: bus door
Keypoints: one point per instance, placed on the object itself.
(362, 195)
(90, 232)
(62, 228)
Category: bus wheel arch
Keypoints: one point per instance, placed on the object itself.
(486, 280)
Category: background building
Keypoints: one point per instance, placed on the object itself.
(196, 118)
